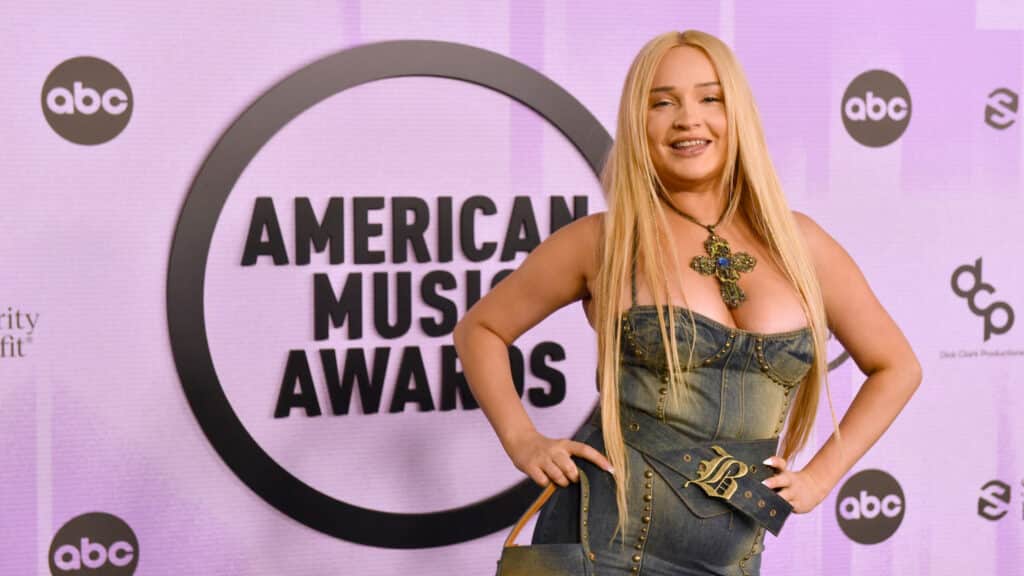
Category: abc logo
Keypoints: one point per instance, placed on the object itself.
(96, 544)
(876, 108)
(870, 506)
(87, 100)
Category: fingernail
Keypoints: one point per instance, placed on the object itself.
(765, 482)
(767, 462)
(610, 470)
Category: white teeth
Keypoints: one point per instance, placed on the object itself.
(688, 143)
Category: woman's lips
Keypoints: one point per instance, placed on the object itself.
(690, 151)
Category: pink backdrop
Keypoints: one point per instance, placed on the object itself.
(93, 415)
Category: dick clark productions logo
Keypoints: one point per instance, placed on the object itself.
(187, 269)
(1001, 108)
(969, 291)
(994, 501)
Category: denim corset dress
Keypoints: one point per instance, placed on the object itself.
(740, 388)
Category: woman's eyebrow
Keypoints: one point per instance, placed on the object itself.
(671, 88)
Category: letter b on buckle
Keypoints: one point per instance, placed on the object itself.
(717, 477)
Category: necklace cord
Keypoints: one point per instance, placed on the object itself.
(710, 227)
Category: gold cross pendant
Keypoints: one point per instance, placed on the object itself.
(724, 265)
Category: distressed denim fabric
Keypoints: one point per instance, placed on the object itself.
(739, 388)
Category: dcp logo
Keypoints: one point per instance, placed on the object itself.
(87, 100)
(1001, 110)
(870, 506)
(97, 544)
(876, 108)
(971, 293)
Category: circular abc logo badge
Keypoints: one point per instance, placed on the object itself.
(97, 544)
(87, 100)
(876, 108)
(870, 506)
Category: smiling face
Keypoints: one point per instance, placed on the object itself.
(686, 121)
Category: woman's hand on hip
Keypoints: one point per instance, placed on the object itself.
(798, 488)
(548, 460)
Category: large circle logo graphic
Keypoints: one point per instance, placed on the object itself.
(191, 248)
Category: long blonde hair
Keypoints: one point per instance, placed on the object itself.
(636, 214)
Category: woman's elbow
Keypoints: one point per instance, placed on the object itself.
(917, 373)
(912, 372)
(459, 333)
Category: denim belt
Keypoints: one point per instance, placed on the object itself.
(709, 476)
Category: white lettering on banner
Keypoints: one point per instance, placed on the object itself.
(868, 506)
(85, 100)
(875, 109)
(93, 555)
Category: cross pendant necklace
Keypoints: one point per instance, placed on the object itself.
(720, 261)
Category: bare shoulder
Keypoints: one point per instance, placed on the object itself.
(584, 235)
(813, 234)
(573, 250)
(828, 256)
(855, 315)
(833, 265)
(588, 228)
(557, 272)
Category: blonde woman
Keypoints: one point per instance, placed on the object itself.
(711, 301)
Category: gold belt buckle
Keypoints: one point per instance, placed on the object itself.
(717, 476)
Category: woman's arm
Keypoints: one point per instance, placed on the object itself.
(880, 350)
(553, 275)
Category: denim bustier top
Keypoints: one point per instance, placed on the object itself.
(739, 384)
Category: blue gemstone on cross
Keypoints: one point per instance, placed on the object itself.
(723, 262)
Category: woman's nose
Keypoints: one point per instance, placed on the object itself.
(686, 117)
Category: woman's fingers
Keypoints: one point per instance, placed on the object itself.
(797, 488)
(780, 480)
(538, 476)
(776, 462)
(786, 494)
(555, 473)
(563, 461)
(590, 453)
(551, 461)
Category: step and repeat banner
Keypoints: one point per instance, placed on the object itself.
(237, 237)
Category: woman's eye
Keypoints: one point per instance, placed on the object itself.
(712, 99)
(660, 103)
